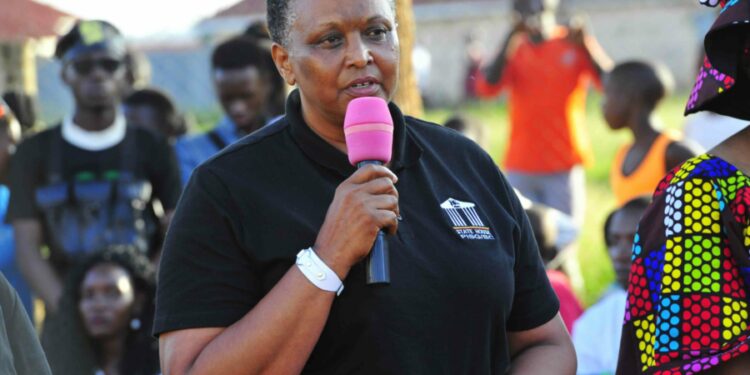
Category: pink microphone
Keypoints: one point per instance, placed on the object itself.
(368, 128)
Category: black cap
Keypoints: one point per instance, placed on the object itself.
(87, 36)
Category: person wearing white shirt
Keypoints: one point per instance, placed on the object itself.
(596, 334)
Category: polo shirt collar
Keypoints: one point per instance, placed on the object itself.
(405, 151)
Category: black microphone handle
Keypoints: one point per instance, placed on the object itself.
(377, 262)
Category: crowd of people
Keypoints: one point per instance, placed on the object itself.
(132, 246)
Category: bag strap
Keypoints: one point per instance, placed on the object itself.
(215, 138)
(129, 152)
(55, 157)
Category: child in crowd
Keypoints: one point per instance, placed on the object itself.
(467, 126)
(631, 94)
(596, 334)
(551, 238)
(155, 110)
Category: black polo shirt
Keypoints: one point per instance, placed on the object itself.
(465, 269)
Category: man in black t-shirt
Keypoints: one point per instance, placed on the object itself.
(90, 182)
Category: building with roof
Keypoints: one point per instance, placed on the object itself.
(27, 29)
(667, 31)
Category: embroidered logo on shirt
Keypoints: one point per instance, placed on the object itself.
(466, 221)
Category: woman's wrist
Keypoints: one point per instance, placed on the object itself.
(333, 260)
(318, 272)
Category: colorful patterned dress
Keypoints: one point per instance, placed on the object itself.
(687, 308)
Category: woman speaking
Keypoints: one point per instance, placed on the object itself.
(468, 292)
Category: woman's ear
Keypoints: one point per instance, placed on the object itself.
(281, 59)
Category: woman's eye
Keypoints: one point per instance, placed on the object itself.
(378, 33)
(329, 41)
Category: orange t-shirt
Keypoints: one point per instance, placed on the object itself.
(547, 84)
(645, 178)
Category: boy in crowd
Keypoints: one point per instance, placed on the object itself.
(596, 334)
(154, 109)
(554, 231)
(632, 92)
(88, 182)
(242, 72)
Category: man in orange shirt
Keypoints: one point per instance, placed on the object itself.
(547, 69)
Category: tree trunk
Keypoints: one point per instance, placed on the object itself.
(407, 97)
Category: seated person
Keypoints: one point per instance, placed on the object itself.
(154, 109)
(596, 334)
(631, 94)
(108, 305)
(467, 126)
(545, 222)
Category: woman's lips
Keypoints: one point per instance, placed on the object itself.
(97, 321)
(364, 89)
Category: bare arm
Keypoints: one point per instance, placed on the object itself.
(275, 337)
(546, 349)
(279, 333)
(493, 72)
(596, 55)
(37, 271)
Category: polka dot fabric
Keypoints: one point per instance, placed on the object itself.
(687, 308)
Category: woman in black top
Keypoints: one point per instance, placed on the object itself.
(104, 323)
(468, 292)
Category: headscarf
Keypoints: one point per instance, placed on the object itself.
(722, 86)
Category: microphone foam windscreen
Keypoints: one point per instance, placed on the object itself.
(368, 128)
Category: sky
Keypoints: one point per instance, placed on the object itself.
(139, 19)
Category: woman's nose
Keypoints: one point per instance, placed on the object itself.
(358, 53)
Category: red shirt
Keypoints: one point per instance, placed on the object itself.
(547, 85)
(570, 307)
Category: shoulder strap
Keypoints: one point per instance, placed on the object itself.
(128, 152)
(616, 170)
(215, 138)
(658, 153)
(55, 157)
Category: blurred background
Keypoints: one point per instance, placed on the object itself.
(172, 42)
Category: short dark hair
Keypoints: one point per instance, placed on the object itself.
(279, 18)
(545, 233)
(242, 52)
(174, 124)
(22, 106)
(257, 30)
(152, 97)
(636, 204)
(649, 82)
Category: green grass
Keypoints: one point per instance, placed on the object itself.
(591, 256)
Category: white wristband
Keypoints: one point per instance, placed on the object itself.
(318, 272)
